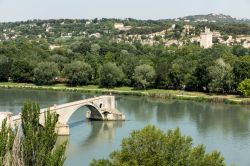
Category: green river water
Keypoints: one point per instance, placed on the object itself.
(218, 126)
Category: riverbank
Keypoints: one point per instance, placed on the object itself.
(155, 93)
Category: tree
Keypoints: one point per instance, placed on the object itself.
(176, 76)
(144, 76)
(21, 71)
(5, 67)
(151, 146)
(108, 57)
(78, 73)
(110, 75)
(241, 69)
(201, 77)
(38, 142)
(59, 60)
(128, 66)
(45, 73)
(221, 75)
(244, 87)
(93, 61)
(31, 143)
(239, 50)
(7, 136)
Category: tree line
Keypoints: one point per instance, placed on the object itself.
(109, 64)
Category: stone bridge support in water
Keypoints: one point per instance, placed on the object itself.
(100, 108)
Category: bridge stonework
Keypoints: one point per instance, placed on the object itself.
(100, 108)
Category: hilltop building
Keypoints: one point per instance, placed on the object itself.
(206, 39)
(119, 25)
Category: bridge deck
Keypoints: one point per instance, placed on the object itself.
(61, 106)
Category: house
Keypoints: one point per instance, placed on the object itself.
(119, 26)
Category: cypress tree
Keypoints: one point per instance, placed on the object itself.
(7, 136)
(38, 142)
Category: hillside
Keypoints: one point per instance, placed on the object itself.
(221, 18)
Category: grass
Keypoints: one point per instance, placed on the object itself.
(156, 93)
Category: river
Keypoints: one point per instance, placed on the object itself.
(217, 126)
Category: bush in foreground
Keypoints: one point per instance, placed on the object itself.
(151, 146)
(31, 144)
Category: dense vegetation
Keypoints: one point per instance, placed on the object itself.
(151, 146)
(109, 64)
(31, 144)
(46, 52)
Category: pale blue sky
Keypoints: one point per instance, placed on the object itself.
(16, 10)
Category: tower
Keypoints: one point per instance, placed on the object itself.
(206, 39)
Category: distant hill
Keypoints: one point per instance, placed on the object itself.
(214, 18)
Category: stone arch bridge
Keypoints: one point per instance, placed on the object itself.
(100, 108)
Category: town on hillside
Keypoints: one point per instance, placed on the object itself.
(201, 29)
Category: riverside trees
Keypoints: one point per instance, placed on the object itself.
(188, 67)
(78, 73)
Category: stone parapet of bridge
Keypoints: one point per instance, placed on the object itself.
(100, 108)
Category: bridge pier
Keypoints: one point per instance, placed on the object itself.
(62, 129)
(106, 116)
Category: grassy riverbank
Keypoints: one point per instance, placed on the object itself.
(156, 93)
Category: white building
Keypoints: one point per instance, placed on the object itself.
(206, 39)
(119, 25)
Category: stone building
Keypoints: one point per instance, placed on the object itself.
(206, 39)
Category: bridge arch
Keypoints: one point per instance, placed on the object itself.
(101, 108)
(65, 114)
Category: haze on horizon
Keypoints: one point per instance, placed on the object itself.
(20, 10)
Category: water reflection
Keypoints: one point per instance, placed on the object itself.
(218, 126)
(101, 132)
(230, 119)
(13, 99)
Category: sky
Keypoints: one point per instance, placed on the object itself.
(21, 10)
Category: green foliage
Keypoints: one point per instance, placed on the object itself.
(176, 76)
(186, 67)
(244, 87)
(78, 73)
(221, 76)
(59, 60)
(101, 162)
(144, 76)
(151, 146)
(39, 141)
(5, 67)
(239, 50)
(110, 75)
(45, 73)
(7, 136)
(241, 69)
(93, 61)
(128, 66)
(21, 71)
